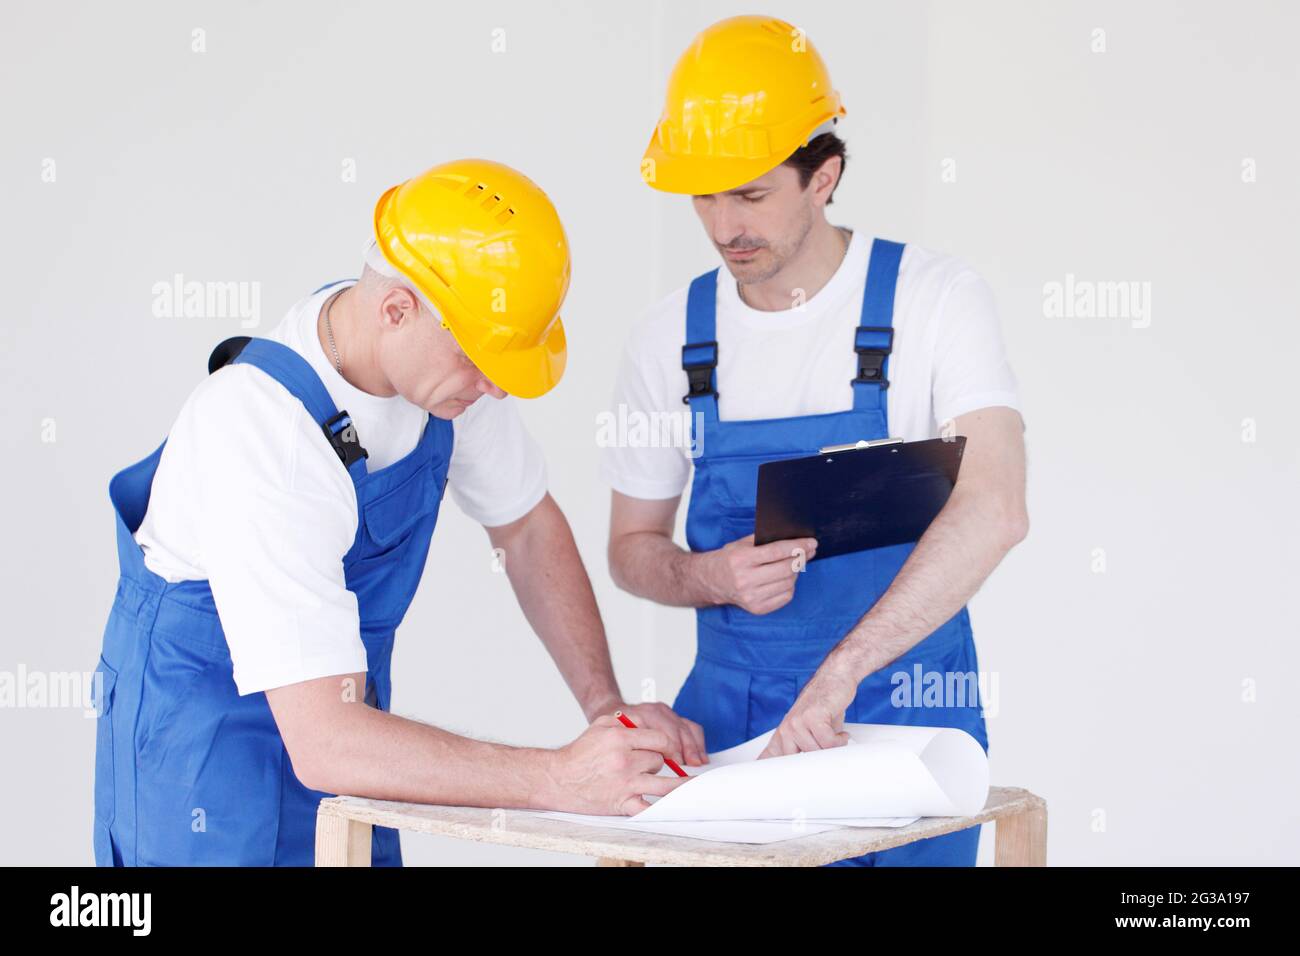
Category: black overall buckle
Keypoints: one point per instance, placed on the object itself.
(699, 373)
(342, 435)
(871, 358)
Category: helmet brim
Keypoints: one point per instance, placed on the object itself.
(701, 176)
(524, 373)
(704, 175)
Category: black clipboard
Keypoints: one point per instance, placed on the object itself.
(858, 496)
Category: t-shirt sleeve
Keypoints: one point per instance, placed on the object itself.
(971, 370)
(645, 433)
(498, 471)
(278, 514)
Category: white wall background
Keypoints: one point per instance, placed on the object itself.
(1151, 704)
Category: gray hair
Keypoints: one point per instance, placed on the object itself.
(381, 275)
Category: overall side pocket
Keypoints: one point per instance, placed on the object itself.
(103, 687)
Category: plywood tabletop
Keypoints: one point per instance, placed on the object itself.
(524, 829)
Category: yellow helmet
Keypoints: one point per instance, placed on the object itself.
(483, 244)
(744, 96)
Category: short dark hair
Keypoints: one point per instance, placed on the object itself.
(809, 158)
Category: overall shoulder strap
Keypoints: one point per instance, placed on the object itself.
(296, 374)
(700, 353)
(873, 339)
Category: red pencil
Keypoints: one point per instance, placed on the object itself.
(672, 764)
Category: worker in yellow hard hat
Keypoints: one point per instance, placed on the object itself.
(270, 547)
(813, 335)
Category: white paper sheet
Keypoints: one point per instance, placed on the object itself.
(887, 776)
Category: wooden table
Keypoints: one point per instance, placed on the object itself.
(343, 835)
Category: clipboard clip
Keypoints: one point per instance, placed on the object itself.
(856, 445)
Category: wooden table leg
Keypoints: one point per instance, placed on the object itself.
(341, 842)
(1021, 840)
(610, 861)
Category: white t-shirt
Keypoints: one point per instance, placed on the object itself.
(947, 360)
(250, 497)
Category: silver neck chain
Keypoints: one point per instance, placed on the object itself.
(329, 331)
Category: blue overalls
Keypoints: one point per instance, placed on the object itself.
(188, 772)
(750, 668)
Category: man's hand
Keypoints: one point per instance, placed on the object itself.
(685, 737)
(816, 721)
(608, 770)
(758, 579)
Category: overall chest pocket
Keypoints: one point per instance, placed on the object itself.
(731, 483)
(391, 517)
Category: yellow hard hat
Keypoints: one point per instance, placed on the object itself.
(744, 96)
(483, 244)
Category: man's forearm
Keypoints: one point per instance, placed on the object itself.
(554, 592)
(369, 753)
(649, 565)
(959, 550)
